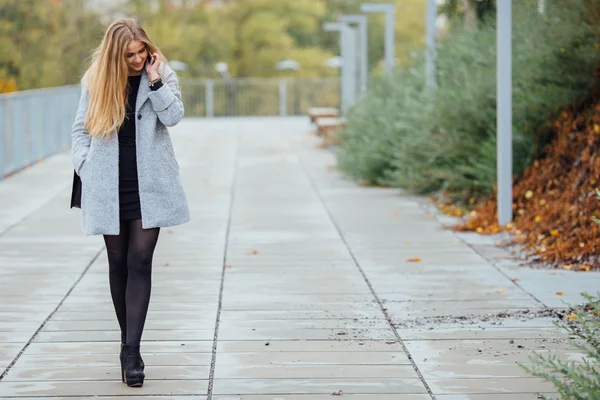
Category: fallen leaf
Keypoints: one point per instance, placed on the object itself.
(567, 267)
(559, 293)
(414, 259)
(554, 232)
(584, 268)
(571, 316)
(500, 291)
(516, 280)
(252, 252)
(528, 194)
(227, 265)
(538, 218)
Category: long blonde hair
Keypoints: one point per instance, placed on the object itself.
(106, 78)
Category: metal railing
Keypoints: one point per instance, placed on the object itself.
(35, 124)
(258, 96)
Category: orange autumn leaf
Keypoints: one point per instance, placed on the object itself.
(414, 259)
(559, 293)
(554, 198)
(571, 316)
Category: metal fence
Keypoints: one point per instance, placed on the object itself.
(255, 96)
(35, 124)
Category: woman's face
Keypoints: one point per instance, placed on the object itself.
(136, 56)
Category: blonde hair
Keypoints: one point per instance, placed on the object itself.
(106, 78)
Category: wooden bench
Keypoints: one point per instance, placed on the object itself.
(328, 128)
(316, 113)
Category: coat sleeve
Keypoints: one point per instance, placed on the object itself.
(166, 101)
(80, 138)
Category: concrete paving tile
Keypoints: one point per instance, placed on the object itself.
(354, 323)
(153, 315)
(123, 397)
(108, 359)
(102, 388)
(370, 396)
(495, 396)
(229, 315)
(16, 337)
(110, 373)
(279, 305)
(325, 346)
(99, 336)
(311, 357)
(467, 346)
(112, 347)
(315, 371)
(494, 385)
(151, 324)
(235, 333)
(317, 386)
(480, 334)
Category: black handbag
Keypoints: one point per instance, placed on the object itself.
(76, 191)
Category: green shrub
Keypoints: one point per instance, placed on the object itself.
(401, 135)
(575, 381)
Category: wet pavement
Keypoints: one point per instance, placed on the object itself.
(290, 282)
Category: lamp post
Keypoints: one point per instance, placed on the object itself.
(431, 43)
(286, 65)
(348, 50)
(504, 112)
(388, 9)
(363, 46)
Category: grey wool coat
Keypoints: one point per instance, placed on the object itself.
(96, 160)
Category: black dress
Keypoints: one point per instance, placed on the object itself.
(129, 196)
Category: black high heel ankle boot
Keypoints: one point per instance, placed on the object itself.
(132, 368)
(122, 360)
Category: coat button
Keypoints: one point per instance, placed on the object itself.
(139, 116)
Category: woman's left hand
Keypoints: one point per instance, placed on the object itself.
(152, 69)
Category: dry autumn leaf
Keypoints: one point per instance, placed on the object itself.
(571, 316)
(559, 189)
(559, 293)
(500, 291)
(414, 259)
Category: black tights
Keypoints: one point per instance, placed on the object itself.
(130, 275)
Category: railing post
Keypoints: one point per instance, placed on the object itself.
(209, 98)
(283, 97)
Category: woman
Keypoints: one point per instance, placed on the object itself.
(131, 185)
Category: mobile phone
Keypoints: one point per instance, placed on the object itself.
(150, 60)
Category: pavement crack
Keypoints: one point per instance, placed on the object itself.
(368, 282)
(223, 271)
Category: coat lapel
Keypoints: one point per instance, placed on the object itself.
(143, 92)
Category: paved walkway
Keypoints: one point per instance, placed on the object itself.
(289, 283)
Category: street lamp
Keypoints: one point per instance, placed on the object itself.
(363, 46)
(504, 112)
(348, 49)
(388, 9)
(431, 43)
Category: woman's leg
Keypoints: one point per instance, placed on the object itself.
(142, 243)
(116, 249)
